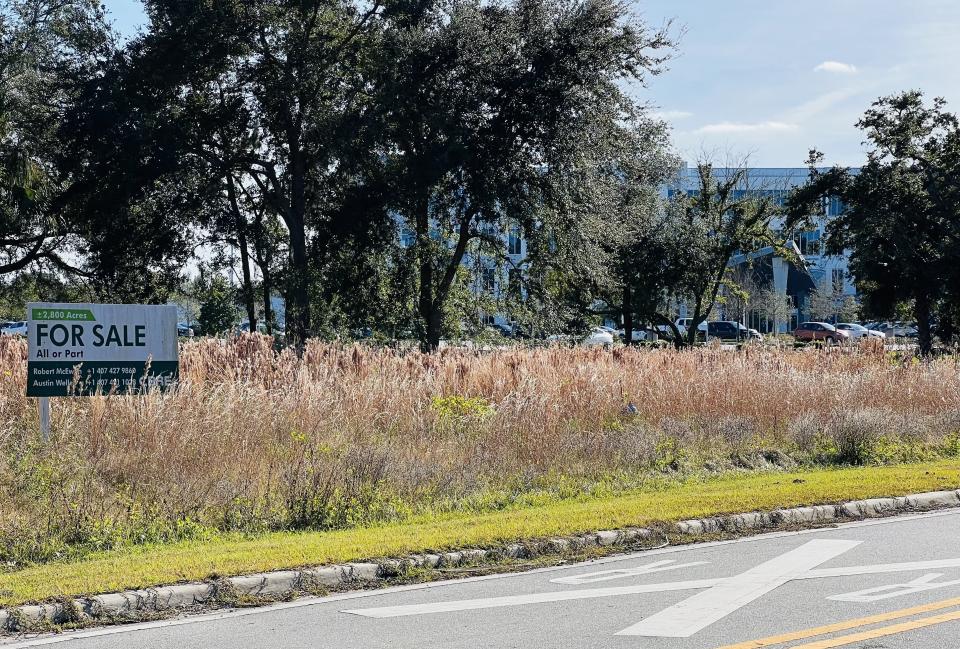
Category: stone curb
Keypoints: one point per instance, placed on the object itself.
(284, 583)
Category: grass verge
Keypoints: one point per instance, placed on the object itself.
(154, 565)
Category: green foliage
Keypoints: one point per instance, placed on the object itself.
(485, 135)
(47, 47)
(366, 505)
(457, 408)
(218, 309)
(951, 444)
(907, 192)
(23, 287)
(669, 454)
(721, 219)
(852, 445)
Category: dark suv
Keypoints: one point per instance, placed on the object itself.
(727, 330)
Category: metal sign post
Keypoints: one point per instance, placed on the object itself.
(45, 418)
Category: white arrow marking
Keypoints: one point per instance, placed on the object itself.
(881, 568)
(703, 609)
(533, 598)
(918, 585)
(619, 573)
(591, 593)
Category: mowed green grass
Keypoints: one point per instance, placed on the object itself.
(155, 565)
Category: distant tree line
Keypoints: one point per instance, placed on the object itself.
(367, 161)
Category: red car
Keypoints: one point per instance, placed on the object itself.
(824, 331)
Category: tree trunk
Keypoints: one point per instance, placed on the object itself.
(695, 322)
(429, 317)
(434, 326)
(240, 223)
(627, 315)
(267, 290)
(677, 338)
(298, 298)
(263, 257)
(298, 295)
(921, 311)
(433, 294)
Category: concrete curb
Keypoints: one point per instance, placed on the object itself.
(280, 584)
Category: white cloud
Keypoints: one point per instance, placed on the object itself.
(741, 127)
(670, 115)
(836, 67)
(827, 102)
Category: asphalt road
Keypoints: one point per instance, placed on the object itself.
(892, 583)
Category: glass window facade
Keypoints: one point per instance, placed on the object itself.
(515, 242)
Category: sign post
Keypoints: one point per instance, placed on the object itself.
(78, 350)
(45, 418)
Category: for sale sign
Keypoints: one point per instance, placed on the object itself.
(87, 349)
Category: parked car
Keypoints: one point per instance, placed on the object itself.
(14, 329)
(857, 331)
(684, 323)
(898, 329)
(508, 330)
(640, 334)
(597, 336)
(810, 331)
(755, 335)
(277, 331)
(500, 330)
(729, 330)
(245, 327)
(184, 330)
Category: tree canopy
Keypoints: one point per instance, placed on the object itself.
(901, 223)
(46, 48)
(410, 167)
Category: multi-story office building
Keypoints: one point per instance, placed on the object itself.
(795, 279)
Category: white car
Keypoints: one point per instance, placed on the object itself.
(597, 336)
(14, 329)
(643, 334)
(859, 331)
(684, 323)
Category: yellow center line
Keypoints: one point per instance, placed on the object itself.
(893, 629)
(844, 626)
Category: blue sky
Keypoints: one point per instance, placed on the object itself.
(773, 78)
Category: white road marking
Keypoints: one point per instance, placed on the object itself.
(532, 598)
(699, 611)
(619, 573)
(881, 568)
(591, 593)
(918, 585)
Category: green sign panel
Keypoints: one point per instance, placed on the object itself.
(90, 349)
(66, 315)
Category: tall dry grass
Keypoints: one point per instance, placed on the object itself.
(255, 440)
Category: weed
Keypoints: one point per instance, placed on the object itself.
(255, 441)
